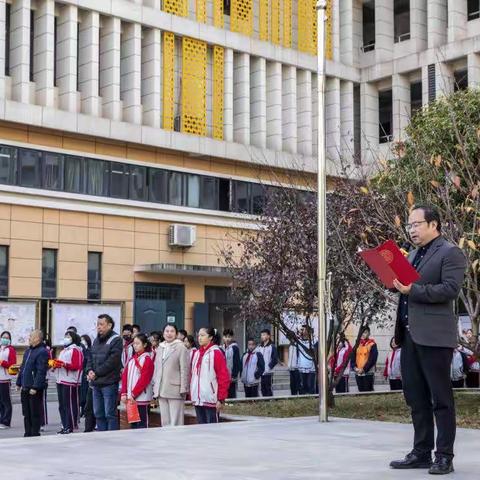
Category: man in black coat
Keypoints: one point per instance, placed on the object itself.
(31, 382)
(103, 367)
(426, 329)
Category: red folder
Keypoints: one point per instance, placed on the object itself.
(389, 263)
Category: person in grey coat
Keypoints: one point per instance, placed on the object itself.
(426, 330)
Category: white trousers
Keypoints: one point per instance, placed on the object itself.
(171, 411)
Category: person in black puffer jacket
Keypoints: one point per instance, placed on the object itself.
(104, 367)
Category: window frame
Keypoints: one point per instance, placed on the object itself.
(4, 279)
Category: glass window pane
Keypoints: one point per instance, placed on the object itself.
(29, 168)
(119, 180)
(258, 198)
(209, 193)
(49, 273)
(224, 189)
(175, 188)
(74, 175)
(138, 183)
(97, 177)
(241, 201)
(3, 271)
(52, 177)
(94, 275)
(193, 191)
(157, 185)
(8, 165)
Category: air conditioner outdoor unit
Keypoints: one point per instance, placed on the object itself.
(182, 235)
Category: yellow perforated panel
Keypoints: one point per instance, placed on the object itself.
(218, 76)
(194, 86)
(241, 16)
(201, 11)
(177, 7)
(275, 32)
(328, 31)
(307, 26)
(287, 23)
(263, 19)
(168, 79)
(218, 13)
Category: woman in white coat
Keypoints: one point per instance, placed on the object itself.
(171, 377)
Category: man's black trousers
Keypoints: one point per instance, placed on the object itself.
(428, 392)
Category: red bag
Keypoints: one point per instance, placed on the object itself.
(133, 415)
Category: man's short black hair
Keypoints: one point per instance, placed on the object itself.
(72, 329)
(137, 327)
(183, 332)
(228, 332)
(127, 328)
(266, 330)
(431, 214)
(252, 340)
(107, 318)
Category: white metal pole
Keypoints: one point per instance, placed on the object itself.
(321, 212)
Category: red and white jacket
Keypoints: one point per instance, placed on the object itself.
(392, 365)
(70, 373)
(340, 359)
(210, 379)
(8, 357)
(137, 378)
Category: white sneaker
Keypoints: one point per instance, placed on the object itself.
(3, 427)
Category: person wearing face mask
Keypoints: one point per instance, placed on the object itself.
(85, 344)
(8, 358)
(127, 336)
(253, 366)
(210, 379)
(68, 369)
(31, 382)
(172, 374)
(137, 379)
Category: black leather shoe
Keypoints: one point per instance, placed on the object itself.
(60, 432)
(412, 460)
(441, 466)
(66, 431)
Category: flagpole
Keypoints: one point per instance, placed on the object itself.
(321, 212)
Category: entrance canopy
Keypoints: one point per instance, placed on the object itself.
(184, 270)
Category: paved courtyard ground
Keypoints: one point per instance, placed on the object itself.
(285, 449)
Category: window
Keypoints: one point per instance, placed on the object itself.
(94, 275)
(97, 177)
(52, 171)
(224, 195)
(259, 198)
(432, 84)
(3, 271)
(385, 116)
(49, 273)
(209, 193)
(461, 80)
(241, 197)
(138, 183)
(74, 175)
(29, 168)
(32, 42)
(157, 185)
(119, 175)
(415, 97)
(401, 19)
(226, 7)
(175, 181)
(357, 125)
(8, 165)
(7, 39)
(473, 9)
(193, 191)
(55, 51)
(368, 24)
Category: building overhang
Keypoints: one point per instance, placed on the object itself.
(184, 270)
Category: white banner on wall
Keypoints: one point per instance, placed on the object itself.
(19, 319)
(82, 316)
(294, 321)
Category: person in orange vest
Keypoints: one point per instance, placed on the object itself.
(364, 361)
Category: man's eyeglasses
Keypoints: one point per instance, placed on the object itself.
(414, 225)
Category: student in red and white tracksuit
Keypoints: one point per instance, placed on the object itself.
(8, 358)
(392, 371)
(137, 379)
(210, 379)
(68, 369)
(341, 365)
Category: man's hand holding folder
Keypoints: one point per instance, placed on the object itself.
(391, 267)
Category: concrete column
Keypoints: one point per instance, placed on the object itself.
(400, 104)
(346, 120)
(228, 96)
(473, 60)
(88, 63)
(369, 119)
(110, 68)
(437, 22)
(418, 24)
(258, 102)
(274, 106)
(332, 119)
(20, 50)
(131, 72)
(304, 114)
(2, 48)
(346, 31)
(457, 20)
(383, 30)
(152, 77)
(44, 58)
(241, 98)
(289, 108)
(336, 29)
